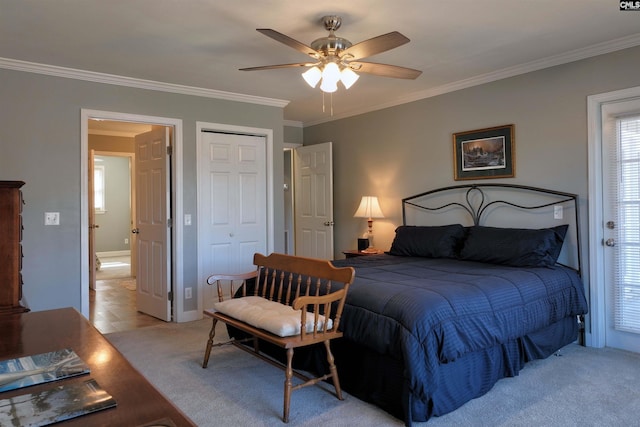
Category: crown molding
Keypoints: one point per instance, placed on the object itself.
(293, 123)
(92, 76)
(551, 61)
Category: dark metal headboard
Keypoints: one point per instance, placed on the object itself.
(475, 201)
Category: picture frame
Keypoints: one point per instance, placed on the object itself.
(484, 153)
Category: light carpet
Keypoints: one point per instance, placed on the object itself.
(582, 387)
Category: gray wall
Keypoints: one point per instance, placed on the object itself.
(40, 144)
(115, 222)
(293, 134)
(405, 150)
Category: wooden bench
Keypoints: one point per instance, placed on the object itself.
(288, 301)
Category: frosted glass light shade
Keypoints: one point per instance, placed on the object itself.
(348, 77)
(312, 76)
(328, 86)
(331, 73)
(369, 208)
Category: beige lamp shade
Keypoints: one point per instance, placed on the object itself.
(369, 208)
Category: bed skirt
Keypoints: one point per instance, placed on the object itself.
(379, 379)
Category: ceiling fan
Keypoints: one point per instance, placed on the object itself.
(337, 59)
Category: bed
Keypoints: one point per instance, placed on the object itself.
(491, 283)
(456, 305)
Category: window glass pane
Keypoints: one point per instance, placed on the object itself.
(99, 188)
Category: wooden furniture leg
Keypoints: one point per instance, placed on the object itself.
(333, 370)
(212, 333)
(288, 384)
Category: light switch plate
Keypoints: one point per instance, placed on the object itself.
(557, 212)
(52, 218)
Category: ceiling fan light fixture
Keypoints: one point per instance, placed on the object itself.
(348, 77)
(312, 76)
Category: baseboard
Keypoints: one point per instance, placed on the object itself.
(189, 316)
(113, 253)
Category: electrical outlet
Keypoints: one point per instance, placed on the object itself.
(187, 293)
(187, 219)
(126, 241)
(557, 212)
(52, 218)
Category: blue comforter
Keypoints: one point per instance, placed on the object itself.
(428, 312)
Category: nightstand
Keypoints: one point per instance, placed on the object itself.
(355, 253)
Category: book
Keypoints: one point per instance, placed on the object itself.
(57, 403)
(40, 368)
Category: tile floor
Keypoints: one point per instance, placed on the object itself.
(112, 306)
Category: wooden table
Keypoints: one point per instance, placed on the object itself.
(355, 253)
(138, 402)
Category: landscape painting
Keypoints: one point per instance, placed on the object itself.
(484, 153)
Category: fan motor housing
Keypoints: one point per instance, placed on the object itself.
(330, 45)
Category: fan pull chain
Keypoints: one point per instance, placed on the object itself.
(331, 103)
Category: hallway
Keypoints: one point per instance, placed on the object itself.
(112, 306)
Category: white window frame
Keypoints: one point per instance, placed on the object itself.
(99, 189)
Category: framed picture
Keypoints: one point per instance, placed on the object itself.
(484, 153)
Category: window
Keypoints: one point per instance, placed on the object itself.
(627, 298)
(99, 189)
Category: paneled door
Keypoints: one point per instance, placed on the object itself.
(152, 230)
(313, 182)
(621, 225)
(232, 204)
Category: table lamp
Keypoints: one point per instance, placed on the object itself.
(369, 208)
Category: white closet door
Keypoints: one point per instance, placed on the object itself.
(232, 214)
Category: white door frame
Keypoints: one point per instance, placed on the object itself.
(290, 240)
(242, 130)
(596, 338)
(177, 184)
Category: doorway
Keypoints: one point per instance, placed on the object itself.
(113, 306)
(113, 214)
(614, 135)
(126, 126)
(114, 303)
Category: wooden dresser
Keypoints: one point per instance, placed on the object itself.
(10, 247)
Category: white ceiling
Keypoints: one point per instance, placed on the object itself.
(202, 43)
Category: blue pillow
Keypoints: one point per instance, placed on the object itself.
(430, 242)
(518, 247)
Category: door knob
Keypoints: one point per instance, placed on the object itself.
(610, 242)
(136, 231)
(329, 223)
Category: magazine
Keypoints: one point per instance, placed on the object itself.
(58, 403)
(40, 368)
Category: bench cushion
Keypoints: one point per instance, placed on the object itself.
(279, 319)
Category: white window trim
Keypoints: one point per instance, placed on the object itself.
(100, 203)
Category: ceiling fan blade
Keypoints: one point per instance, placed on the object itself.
(301, 47)
(375, 45)
(277, 66)
(385, 70)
